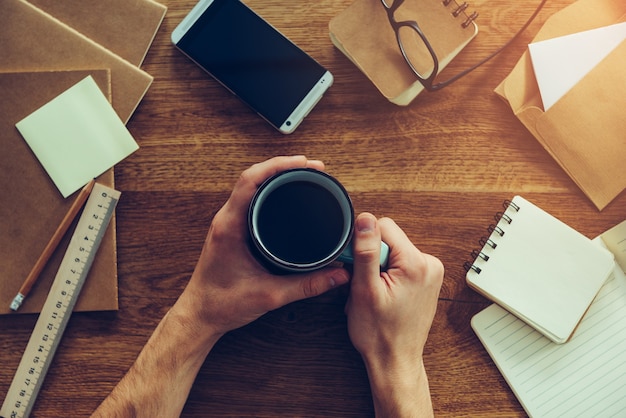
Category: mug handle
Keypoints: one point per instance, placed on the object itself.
(347, 256)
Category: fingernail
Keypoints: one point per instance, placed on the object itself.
(365, 223)
(338, 278)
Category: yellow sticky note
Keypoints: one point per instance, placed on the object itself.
(77, 136)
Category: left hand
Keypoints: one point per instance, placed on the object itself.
(229, 288)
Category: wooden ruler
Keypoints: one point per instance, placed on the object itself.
(58, 306)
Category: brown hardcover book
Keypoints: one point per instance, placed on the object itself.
(126, 28)
(32, 206)
(363, 33)
(32, 40)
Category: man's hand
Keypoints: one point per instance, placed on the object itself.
(390, 314)
(229, 288)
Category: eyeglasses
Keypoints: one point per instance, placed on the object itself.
(419, 53)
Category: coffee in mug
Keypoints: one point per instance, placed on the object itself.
(301, 220)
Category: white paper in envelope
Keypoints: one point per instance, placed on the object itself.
(560, 63)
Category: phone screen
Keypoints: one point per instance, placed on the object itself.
(252, 59)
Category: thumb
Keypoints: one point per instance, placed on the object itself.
(315, 283)
(366, 248)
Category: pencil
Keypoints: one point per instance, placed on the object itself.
(52, 245)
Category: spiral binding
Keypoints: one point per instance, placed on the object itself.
(458, 9)
(487, 241)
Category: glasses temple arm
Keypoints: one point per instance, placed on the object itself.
(443, 84)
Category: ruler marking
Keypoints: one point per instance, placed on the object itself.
(60, 302)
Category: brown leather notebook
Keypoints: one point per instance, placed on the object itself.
(126, 28)
(32, 206)
(34, 41)
(363, 33)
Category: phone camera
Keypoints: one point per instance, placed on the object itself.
(288, 123)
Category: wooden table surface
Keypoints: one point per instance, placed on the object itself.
(440, 167)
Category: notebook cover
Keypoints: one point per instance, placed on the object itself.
(32, 207)
(34, 41)
(363, 33)
(126, 28)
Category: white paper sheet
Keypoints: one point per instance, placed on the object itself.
(560, 63)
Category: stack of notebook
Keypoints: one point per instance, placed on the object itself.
(556, 331)
(47, 47)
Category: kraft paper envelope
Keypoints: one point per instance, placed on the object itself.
(585, 131)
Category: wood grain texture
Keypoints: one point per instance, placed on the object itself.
(440, 167)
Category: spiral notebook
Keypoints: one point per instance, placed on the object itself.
(539, 269)
(585, 377)
(364, 35)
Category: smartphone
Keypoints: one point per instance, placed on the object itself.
(253, 60)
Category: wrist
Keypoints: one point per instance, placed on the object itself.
(165, 369)
(394, 377)
(399, 387)
(192, 324)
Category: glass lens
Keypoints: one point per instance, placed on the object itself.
(415, 50)
(392, 3)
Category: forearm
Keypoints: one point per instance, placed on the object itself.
(159, 381)
(399, 391)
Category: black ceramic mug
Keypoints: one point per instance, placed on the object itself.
(302, 220)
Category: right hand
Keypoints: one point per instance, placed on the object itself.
(390, 313)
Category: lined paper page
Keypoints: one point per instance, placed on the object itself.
(581, 378)
(615, 240)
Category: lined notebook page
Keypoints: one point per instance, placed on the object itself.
(581, 378)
